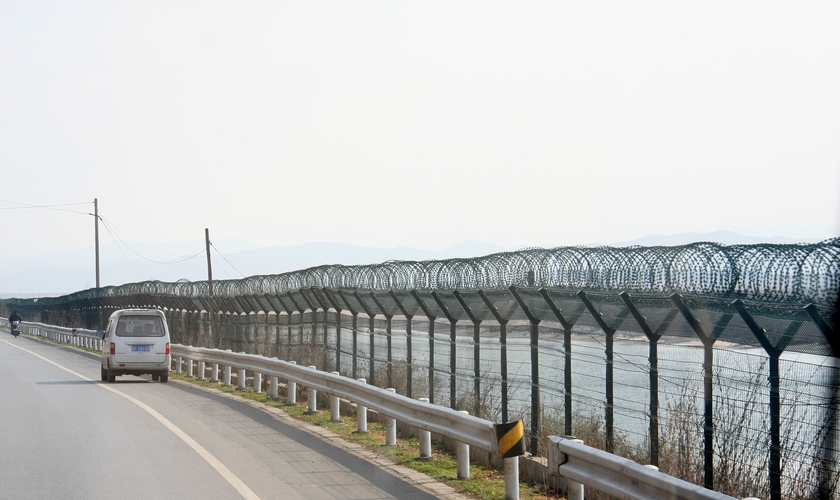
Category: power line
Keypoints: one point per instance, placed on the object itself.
(112, 230)
(181, 258)
(29, 207)
(222, 256)
(117, 241)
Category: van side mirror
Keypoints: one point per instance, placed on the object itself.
(100, 334)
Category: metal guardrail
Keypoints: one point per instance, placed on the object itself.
(583, 465)
(459, 426)
(76, 336)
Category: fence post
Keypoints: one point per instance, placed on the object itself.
(535, 371)
(653, 360)
(431, 319)
(708, 387)
(453, 324)
(774, 352)
(829, 456)
(389, 372)
(502, 355)
(476, 352)
(608, 351)
(408, 358)
(567, 366)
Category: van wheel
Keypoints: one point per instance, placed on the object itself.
(155, 377)
(103, 374)
(111, 377)
(164, 377)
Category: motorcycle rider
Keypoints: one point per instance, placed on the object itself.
(15, 329)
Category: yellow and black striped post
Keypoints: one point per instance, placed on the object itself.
(511, 439)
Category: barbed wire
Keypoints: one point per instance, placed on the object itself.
(798, 273)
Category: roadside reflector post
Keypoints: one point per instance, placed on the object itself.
(291, 389)
(241, 379)
(391, 426)
(178, 365)
(311, 398)
(272, 391)
(361, 413)
(228, 369)
(257, 382)
(335, 413)
(425, 440)
(511, 440)
(215, 372)
(201, 369)
(463, 455)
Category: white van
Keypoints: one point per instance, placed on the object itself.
(136, 342)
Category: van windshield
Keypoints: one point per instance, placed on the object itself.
(140, 326)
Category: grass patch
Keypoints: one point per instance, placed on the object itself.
(484, 483)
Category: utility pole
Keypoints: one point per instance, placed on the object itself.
(209, 267)
(96, 235)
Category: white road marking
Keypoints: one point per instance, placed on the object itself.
(226, 473)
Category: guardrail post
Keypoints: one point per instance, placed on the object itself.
(312, 398)
(512, 478)
(390, 426)
(189, 367)
(463, 454)
(178, 365)
(574, 490)
(241, 379)
(361, 414)
(227, 375)
(272, 391)
(425, 440)
(215, 372)
(201, 369)
(291, 389)
(335, 413)
(257, 382)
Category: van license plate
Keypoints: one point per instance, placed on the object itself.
(141, 348)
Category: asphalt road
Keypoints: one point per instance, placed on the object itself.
(64, 434)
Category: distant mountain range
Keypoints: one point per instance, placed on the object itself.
(67, 272)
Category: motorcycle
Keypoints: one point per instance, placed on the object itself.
(15, 328)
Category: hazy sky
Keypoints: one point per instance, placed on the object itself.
(416, 123)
